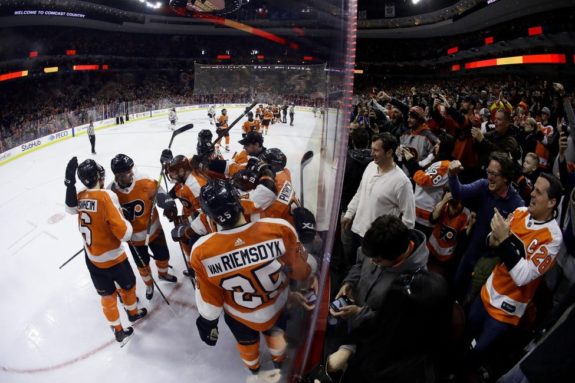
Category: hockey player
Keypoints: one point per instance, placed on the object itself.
(212, 114)
(250, 125)
(188, 182)
(244, 271)
(136, 195)
(276, 114)
(173, 117)
(266, 120)
(103, 229)
(292, 112)
(260, 112)
(253, 149)
(222, 129)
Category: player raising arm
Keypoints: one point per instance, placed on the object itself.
(103, 230)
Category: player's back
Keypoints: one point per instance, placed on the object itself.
(243, 270)
(102, 226)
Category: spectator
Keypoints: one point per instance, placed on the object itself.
(482, 196)
(384, 189)
(527, 243)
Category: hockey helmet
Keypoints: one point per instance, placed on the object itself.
(205, 135)
(89, 172)
(205, 148)
(178, 168)
(245, 180)
(221, 202)
(250, 115)
(224, 111)
(121, 164)
(275, 158)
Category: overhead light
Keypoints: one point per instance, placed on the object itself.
(414, 2)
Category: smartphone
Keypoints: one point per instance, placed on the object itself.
(310, 296)
(339, 303)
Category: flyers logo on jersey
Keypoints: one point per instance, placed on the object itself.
(284, 195)
(244, 257)
(87, 205)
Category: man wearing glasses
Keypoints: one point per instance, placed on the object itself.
(482, 196)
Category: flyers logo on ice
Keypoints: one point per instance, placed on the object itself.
(244, 257)
(88, 205)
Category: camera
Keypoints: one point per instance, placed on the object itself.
(339, 303)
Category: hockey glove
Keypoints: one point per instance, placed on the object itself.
(168, 204)
(182, 233)
(170, 209)
(166, 156)
(208, 330)
(71, 168)
(304, 223)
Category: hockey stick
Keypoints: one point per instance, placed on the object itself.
(305, 160)
(191, 272)
(223, 131)
(174, 134)
(72, 257)
(135, 251)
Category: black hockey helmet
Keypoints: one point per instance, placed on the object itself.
(275, 158)
(250, 115)
(221, 202)
(205, 135)
(121, 164)
(205, 148)
(224, 111)
(89, 172)
(245, 180)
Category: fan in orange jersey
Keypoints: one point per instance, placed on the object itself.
(244, 271)
(103, 230)
(527, 242)
(222, 128)
(187, 189)
(267, 118)
(136, 194)
(250, 125)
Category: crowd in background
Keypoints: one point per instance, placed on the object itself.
(480, 156)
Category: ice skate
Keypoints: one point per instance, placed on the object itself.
(123, 336)
(139, 315)
(149, 292)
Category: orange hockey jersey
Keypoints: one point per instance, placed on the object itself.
(540, 149)
(507, 293)
(189, 192)
(223, 121)
(248, 126)
(136, 202)
(443, 238)
(429, 190)
(245, 271)
(103, 227)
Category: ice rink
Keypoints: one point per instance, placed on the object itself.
(52, 327)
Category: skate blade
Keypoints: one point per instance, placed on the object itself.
(126, 340)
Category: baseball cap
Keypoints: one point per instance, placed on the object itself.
(545, 110)
(252, 137)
